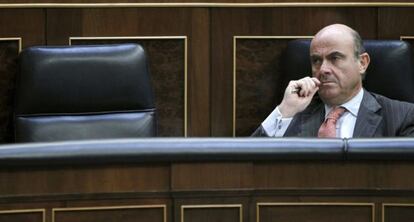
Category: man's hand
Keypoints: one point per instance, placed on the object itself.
(298, 95)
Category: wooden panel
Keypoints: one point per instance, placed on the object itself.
(167, 65)
(27, 24)
(295, 185)
(114, 213)
(199, 74)
(227, 23)
(211, 213)
(97, 179)
(193, 176)
(398, 212)
(71, 19)
(395, 22)
(162, 22)
(310, 175)
(9, 50)
(323, 212)
(22, 215)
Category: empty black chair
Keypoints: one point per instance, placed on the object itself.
(83, 92)
(390, 72)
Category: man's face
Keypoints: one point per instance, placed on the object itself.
(335, 65)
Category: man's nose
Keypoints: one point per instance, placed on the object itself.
(325, 67)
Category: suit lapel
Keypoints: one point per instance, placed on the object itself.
(368, 119)
(307, 123)
(311, 121)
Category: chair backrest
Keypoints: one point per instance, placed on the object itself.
(390, 72)
(83, 92)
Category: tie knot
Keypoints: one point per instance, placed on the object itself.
(336, 113)
(328, 127)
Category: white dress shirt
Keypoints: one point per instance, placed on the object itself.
(275, 125)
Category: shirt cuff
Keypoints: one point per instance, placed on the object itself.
(275, 125)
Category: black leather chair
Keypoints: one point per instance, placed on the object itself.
(83, 92)
(390, 72)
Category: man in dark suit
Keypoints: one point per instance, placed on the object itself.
(343, 108)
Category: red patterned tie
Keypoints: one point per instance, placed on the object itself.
(328, 127)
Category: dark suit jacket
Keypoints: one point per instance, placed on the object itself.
(378, 116)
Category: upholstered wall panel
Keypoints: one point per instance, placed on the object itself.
(9, 49)
(259, 85)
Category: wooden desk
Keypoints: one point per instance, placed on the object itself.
(197, 180)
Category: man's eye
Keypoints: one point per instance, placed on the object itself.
(336, 57)
(316, 61)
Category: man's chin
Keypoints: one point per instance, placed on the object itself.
(328, 97)
(327, 93)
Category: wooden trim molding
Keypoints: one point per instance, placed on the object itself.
(206, 4)
(18, 39)
(407, 37)
(23, 211)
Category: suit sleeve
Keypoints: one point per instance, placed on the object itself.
(407, 129)
(259, 132)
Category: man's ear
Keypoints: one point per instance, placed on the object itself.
(363, 62)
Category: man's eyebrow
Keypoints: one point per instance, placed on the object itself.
(315, 56)
(336, 53)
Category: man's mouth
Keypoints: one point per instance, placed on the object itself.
(327, 84)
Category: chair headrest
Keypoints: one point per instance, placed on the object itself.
(82, 79)
(390, 72)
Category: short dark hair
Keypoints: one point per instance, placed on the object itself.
(358, 44)
(358, 47)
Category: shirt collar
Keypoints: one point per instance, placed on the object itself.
(352, 106)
